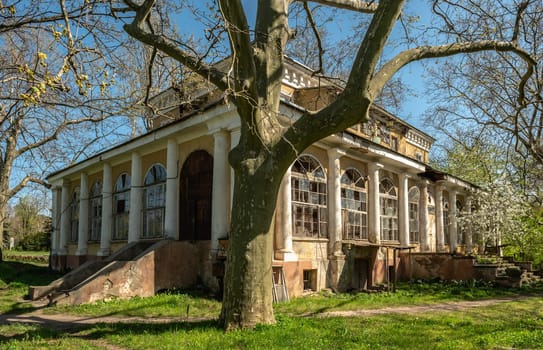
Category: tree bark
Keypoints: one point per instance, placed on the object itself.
(248, 279)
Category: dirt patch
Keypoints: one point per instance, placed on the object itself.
(450, 306)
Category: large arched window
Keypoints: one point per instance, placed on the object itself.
(95, 217)
(309, 212)
(121, 207)
(446, 221)
(74, 215)
(388, 203)
(414, 196)
(154, 204)
(353, 205)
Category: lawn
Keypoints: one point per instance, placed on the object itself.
(15, 277)
(516, 324)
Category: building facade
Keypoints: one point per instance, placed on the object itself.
(347, 206)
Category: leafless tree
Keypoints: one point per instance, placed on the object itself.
(481, 91)
(63, 94)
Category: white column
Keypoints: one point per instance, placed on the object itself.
(468, 229)
(136, 199)
(64, 218)
(83, 233)
(440, 238)
(374, 221)
(221, 192)
(55, 218)
(423, 216)
(403, 215)
(171, 223)
(335, 224)
(107, 211)
(286, 217)
(453, 227)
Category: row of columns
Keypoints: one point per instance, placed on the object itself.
(335, 223)
(221, 203)
(221, 200)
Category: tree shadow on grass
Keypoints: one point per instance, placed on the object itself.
(26, 273)
(47, 329)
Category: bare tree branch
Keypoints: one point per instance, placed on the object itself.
(24, 182)
(137, 30)
(353, 5)
(425, 52)
(317, 36)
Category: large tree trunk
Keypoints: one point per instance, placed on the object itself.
(248, 279)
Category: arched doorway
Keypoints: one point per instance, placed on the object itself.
(195, 197)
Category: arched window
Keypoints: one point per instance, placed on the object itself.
(353, 205)
(154, 204)
(95, 217)
(414, 196)
(121, 206)
(309, 212)
(460, 235)
(74, 215)
(388, 201)
(446, 221)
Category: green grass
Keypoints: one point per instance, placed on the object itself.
(15, 278)
(197, 304)
(517, 325)
(36, 257)
(13, 254)
(407, 294)
(171, 304)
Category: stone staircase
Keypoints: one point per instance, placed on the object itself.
(506, 272)
(126, 273)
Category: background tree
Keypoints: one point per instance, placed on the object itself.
(71, 83)
(502, 217)
(480, 91)
(268, 144)
(470, 155)
(28, 225)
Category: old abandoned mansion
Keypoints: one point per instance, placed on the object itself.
(355, 209)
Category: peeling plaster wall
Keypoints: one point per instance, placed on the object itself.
(431, 265)
(167, 265)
